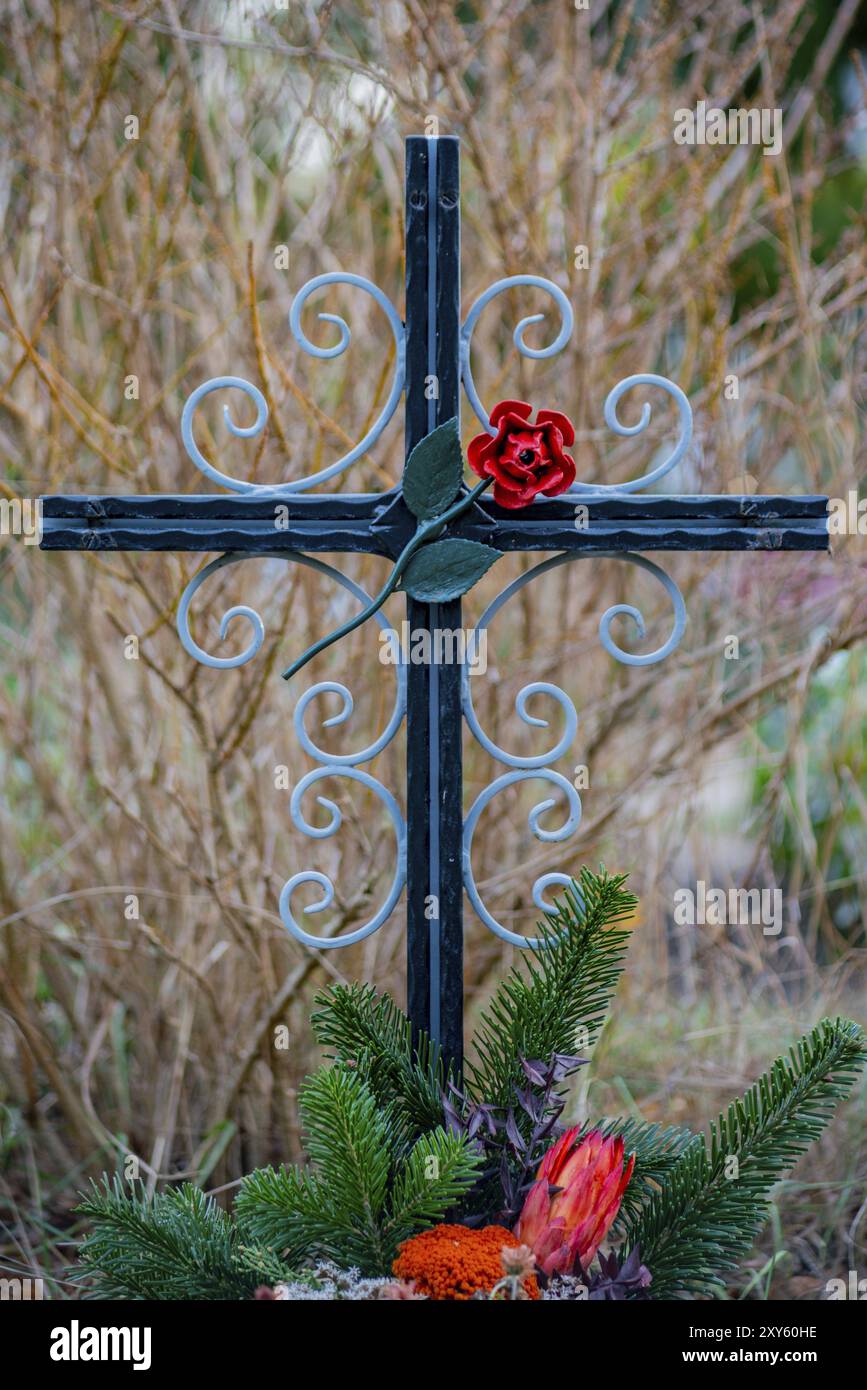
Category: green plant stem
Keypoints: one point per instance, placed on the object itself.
(423, 533)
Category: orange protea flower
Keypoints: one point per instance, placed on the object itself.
(575, 1198)
(456, 1262)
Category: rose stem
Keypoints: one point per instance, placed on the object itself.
(434, 524)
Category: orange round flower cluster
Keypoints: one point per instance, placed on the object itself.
(455, 1262)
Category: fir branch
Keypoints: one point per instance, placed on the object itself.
(336, 1209)
(287, 1211)
(440, 1170)
(363, 1195)
(347, 1138)
(176, 1245)
(268, 1267)
(368, 1031)
(570, 977)
(706, 1217)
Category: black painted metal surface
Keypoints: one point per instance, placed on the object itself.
(380, 524)
(434, 807)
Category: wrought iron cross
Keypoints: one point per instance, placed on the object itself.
(434, 838)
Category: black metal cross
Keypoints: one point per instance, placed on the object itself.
(381, 524)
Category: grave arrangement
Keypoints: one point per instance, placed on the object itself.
(425, 1185)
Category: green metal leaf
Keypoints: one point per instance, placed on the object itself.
(434, 472)
(446, 569)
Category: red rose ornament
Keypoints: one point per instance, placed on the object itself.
(524, 459)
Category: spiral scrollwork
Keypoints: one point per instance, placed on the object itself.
(219, 383)
(333, 764)
(364, 755)
(535, 688)
(612, 400)
(612, 420)
(240, 610)
(318, 832)
(253, 393)
(567, 320)
(536, 765)
(569, 826)
(526, 767)
(678, 628)
(395, 323)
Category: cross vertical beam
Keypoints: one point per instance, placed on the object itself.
(434, 725)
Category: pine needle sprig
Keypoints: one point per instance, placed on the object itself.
(439, 1171)
(347, 1139)
(367, 1030)
(363, 1193)
(288, 1210)
(563, 991)
(714, 1201)
(177, 1244)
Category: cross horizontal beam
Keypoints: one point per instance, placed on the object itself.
(379, 523)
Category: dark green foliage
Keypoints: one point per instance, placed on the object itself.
(434, 472)
(286, 1210)
(390, 1155)
(559, 987)
(704, 1222)
(418, 1200)
(566, 985)
(364, 1193)
(266, 1266)
(445, 569)
(369, 1032)
(175, 1245)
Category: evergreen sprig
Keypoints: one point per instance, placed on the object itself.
(368, 1031)
(175, 1245)
(287, 1210)
(418, 1199)
(705, 1218)
(566, 986)
(384, 1165)
(364, 1193)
